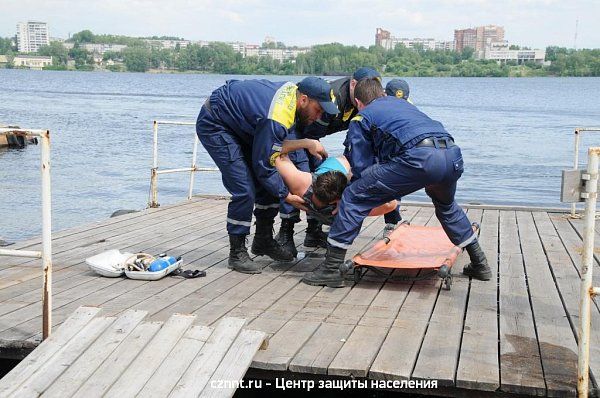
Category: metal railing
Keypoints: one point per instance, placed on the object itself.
(46, 253)
(590, 194)
(579, 130)
(153, 201)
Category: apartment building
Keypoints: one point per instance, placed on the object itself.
(31, 35)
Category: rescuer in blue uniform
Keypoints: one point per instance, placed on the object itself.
(243, 126)
(413, 152)
(343, 90)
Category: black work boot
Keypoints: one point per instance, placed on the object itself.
(264, 244)
(478, 268)
(285, 237)
(315, 237)
(328, 273)
(239, 260)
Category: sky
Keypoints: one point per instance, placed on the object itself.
(533, 23)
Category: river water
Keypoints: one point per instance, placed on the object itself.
(516, 135)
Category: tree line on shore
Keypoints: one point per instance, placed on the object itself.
(326, 59)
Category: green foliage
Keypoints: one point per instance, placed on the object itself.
(136, 59)
(83, 58)
(326, 59)
(57, 51)
(6, 45)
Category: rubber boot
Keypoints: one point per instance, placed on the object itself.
(285, 237)
(239, 260)
(478, 268)
(315, 237)
(264, 244)
(328, 273)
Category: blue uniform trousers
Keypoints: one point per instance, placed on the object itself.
(435, 169)
(233, 158)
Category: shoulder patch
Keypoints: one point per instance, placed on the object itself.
(273, 158)
(357, 118)
(283, 105)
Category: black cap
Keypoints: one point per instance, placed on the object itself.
(366, 72)
(318, 89)
(397, 88)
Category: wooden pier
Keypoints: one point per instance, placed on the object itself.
(513, 335)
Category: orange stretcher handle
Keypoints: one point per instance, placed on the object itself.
(384, 208)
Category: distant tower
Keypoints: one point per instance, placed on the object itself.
(575, 38)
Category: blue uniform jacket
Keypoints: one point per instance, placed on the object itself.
(260, 113)
(384, 129)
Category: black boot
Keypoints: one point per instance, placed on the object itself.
(239, 260)
(328, 273)
(285, 237)
(264, 244)
(315, 237)
(478, 268)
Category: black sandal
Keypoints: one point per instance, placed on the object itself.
(188, 273)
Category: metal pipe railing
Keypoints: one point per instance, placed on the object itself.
(154, 172)
(579, 130)
(46, 253)
(587, 290)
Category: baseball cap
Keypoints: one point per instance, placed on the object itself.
(397, 88)
(366, 72)
(318, 89)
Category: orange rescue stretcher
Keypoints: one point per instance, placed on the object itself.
(410, 247)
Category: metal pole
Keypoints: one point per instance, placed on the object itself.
(20, 253)
(46, 237)
(575, 167)
(153, 174)
(591, 189)
(192, 172)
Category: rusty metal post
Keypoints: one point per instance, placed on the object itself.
(46, 237)
(590, 195)
(575, 167)
(193, 169)
(153, 172)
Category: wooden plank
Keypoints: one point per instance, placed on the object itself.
(568, 281)
(282, 347)
(145, 364)
(118, 361)
(341, 317)
(193, 381)
(52, 369)
(114, 289)
(68, 382)
(61, 337)
(307, 319)
(520, 363)
(399, 351)
(478, 367)
(558, 346)
(168, 373)
(439, 354)
(235, 363)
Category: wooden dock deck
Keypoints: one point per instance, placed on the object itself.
(515, 334)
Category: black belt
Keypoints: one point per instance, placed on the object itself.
(431, 142)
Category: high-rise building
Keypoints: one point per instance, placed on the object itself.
(31, 35)
(477, 38)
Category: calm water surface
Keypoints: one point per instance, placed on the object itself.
(516, 135)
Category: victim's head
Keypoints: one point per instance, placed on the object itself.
(328, 188)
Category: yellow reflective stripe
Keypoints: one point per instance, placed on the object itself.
(347, 114)
(283, 105)
(357, 118)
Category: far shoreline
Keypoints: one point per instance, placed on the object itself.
(196, 72)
